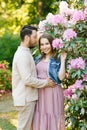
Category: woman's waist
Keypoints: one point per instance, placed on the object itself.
(41, 77)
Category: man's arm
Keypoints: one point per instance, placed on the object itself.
(23, 65)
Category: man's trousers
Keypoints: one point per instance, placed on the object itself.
(25, 115)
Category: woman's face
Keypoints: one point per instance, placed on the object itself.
(45, 46)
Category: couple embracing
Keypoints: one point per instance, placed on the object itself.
(36, 85)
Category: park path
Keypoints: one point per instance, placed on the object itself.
(6, 103)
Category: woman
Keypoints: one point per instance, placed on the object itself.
(49, 112)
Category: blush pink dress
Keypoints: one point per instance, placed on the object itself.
(49, 111)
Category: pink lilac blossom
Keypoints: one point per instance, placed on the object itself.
(74, 96)
(49, 18)
(63, 7)
(77, 63)
(69, 12)
(69, 34)
(70, 91)
(64, 10)
(78, 16)
(78, 85)
(63, 4)
(57, 43)
(57, 19)
(42, 25)
(85, 11)
(72, 87)
(67, 93)
(85, 2)
(85, 77)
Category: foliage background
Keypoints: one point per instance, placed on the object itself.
(13, 15)
(75, 83)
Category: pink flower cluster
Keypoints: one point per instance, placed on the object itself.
(64, 10)
(2, 91)
(78, 16)
(2, 66)
(49, 17)
(78, 85)
(69, 34)
(70, 92)
(63, 5)
(85, 11)
(85, 2)
(77, 63)
(85, 77)
(55, 19)
(42, 25)
(57, 43)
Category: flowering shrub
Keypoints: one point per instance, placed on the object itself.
(5, 77)
(75, 94)
(69, 29)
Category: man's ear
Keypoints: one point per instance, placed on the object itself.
(27, 38)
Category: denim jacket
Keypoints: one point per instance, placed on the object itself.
(53, 68)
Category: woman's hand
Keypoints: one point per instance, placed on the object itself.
(63, 55)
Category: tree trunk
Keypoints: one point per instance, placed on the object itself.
(40, 3)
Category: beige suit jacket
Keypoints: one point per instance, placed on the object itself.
(24, 78)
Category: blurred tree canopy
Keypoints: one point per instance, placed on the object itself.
(14, 14)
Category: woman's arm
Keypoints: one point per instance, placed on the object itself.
(62, 70)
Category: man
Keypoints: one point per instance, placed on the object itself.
(24, 78)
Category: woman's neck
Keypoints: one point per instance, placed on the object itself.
(47, 57)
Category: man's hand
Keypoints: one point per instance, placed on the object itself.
(50, 83)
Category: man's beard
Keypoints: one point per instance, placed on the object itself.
(31, 47)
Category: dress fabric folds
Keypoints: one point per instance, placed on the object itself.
(49, 110)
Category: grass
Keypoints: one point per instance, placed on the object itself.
(8, 121)
(8, 116)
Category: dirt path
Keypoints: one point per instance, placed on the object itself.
(6, 103)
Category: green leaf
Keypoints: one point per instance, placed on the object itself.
(76, 108)
(82, 111)
(78, 92)
(79, 73)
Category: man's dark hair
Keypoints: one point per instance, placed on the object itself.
(26, 30)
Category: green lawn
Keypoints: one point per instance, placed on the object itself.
(8, 121)
(8, 116)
